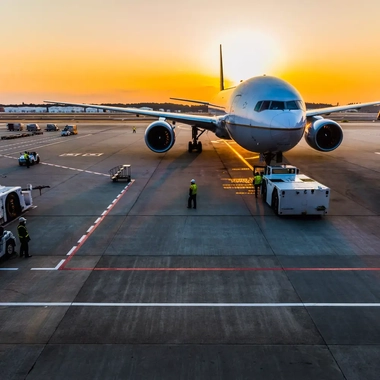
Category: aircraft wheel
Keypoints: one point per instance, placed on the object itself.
(190, 148)
(12, 206)
(9, 249)
(199, 147)
(275, 201)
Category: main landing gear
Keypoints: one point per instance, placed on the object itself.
(268, 157)
(195, 144)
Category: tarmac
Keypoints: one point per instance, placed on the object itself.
(126, 282)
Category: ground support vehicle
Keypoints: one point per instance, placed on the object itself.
(15, 126)
(290, 193)
(13, 201)
(7, 243)
(121, 172)
(33, 127)
(51, 127)
(34, 158)
(69, 130)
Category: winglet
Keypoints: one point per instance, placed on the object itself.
(221, 69)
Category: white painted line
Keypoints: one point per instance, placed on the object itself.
(42, 269)
(109, 206)
(119, 196)
(115, 200)
(8, 268)
(80, 240)
(89, 230)
(377, 152)
(104, 212)
(71, 250)
(35, 303)
(59, 264)
(154, 304)
(97, 220)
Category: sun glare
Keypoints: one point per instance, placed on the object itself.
(247, 54)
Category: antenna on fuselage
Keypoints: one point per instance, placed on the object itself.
(221, 69)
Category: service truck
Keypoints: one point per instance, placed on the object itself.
(13, 201)
(290, 193)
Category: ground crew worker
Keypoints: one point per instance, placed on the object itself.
(192, 194)
(24, 238)
(26, 157)
(134, 129)
(257, 182)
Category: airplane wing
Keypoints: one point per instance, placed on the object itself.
(197, 102)
(205, 122)
(327, 110)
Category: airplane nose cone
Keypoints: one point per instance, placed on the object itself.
(286, 129)
(284, 120)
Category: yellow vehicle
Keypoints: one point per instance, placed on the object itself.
(69, 130)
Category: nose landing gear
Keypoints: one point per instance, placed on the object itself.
(269, 156)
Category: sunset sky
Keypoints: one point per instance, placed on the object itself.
(129, 51)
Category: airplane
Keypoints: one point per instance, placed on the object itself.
(263, 114)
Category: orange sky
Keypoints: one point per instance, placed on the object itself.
(134, 51)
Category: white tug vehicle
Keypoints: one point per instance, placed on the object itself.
(290, 193)
(13, 201)
(7, 243)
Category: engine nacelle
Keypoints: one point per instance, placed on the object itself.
(323, 134)
(159, 136)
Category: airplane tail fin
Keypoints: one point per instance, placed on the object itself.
(221, 69)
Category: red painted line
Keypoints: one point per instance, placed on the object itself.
(274, 269)
(85, 237)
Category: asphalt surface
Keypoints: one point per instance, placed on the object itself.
(126, 282)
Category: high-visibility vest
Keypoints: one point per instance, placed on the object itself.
(258, 179)
(193, 188)
(22, 232)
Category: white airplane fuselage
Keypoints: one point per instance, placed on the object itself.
(276, 128)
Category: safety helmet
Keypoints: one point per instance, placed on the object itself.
(22, 219)
(192, 181)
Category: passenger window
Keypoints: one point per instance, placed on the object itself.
(257, 107)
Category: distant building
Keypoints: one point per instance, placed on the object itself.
(25, 109)
(65, 109)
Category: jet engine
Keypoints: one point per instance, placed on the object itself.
(323, 134)
(160, 136)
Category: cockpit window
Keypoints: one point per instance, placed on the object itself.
(275, 105)
(292, 105)
(301, 105)
(258, 106)
(265, 105)
(278, 105)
